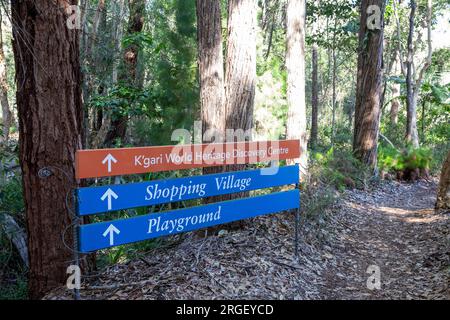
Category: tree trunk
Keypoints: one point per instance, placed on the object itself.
(413, 85)
(211, 77)
(103, 127)
(412, 135)
(50, 124)
(395, 104)
(443, 197)
(368, 87)
(240, 79)
(314, 98)
(333, 104)
(240, 66)
(295, 65)
(211, 73)
(210, 62)
(91, 62)
(117, 28)
(119, 123)
(6, 111)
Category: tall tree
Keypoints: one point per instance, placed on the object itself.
(414, 76)
(395, 104)
(314, 97)
(103, 122)
(50, 113)
(6, 111)
(91, 63)
(411, 93)
(128, 76)
(211, 73)
(334, 79)
(295, 65)
(369, 81)
(240, 64)
(443, 197)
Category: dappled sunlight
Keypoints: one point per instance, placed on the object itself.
(410, 215)
(413, 216)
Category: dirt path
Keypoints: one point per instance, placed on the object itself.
(393, 229)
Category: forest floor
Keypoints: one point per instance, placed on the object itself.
(392, 227)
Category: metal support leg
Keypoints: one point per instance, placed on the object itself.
(76, 255)
(297, 222)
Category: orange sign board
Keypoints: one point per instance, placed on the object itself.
(113, 162)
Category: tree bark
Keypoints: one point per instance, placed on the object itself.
(414, 84)
(314, 98)
(412, 135)
(240, 76)
(395, 104)
(211, 78)
(50, 112)
(211, 74)
(240, 79)
(91, 62)
(368, 88)
(6, 111)
(443, 197)
(295, 65)
(333, 104)
(119, 123)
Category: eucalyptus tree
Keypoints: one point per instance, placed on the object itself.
(48, 75)
(369, 81)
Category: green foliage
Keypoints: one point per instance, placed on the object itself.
(392, 160)
(17, 289)
(126, 100)
(389, 159)
(13, 283)
(315, 201)
(339, 168)
(342, 26)
(11, 198)
(138, 39)
(172, 60)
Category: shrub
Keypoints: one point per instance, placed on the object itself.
(391, 160)
(339, 168)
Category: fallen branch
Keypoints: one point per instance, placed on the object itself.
(16, 235)
(388, 141)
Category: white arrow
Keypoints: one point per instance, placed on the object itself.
(109, 158)
(111, 230)
(109, 194)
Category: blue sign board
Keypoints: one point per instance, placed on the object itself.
(118, 232)
(117, 197)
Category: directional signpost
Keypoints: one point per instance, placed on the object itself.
(107, 234)
(112, 162)
(117, 197)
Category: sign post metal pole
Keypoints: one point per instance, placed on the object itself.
(297, 222)
(76, 256)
